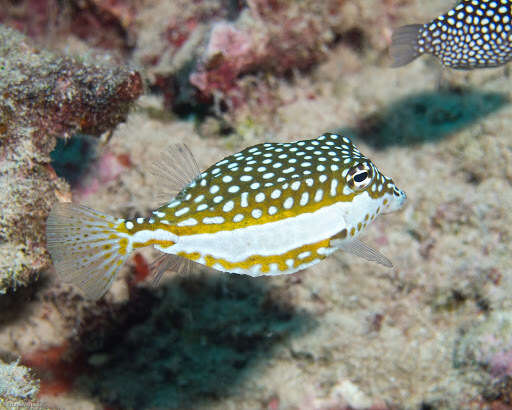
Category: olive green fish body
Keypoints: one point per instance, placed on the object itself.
(274, 208)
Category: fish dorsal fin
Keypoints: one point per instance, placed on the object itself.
(175, 169)
(359, 248)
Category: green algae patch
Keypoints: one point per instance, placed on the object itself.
(201, 337)
(427, 117)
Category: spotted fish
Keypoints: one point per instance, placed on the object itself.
(273, 208)
(474, 34)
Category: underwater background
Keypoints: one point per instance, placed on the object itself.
(92, 92)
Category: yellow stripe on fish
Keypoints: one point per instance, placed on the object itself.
(274, 208)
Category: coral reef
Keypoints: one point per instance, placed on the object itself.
(226, 53)
(273, 37)
(487, 344)
(483, 352)
(102, 23)
(434, 332)
(221, 56)
(45, 96)
(16, 383)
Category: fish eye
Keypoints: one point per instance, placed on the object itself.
(359, 176)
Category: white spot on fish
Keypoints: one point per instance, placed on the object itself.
(304, 255)
(334, 185)
(243, 200)
(304, 199)
(228, 206)
(188, 222)
(276, 193)
(213, 220)
(288, 203)
(182, 211)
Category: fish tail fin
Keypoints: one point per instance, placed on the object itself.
(404, 45)
(86, 247)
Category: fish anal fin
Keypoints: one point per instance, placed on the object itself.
(169, 262)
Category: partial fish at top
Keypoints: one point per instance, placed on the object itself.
(274, 208)
(474, 34)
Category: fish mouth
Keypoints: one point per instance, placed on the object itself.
(402, 199)
(397, 201)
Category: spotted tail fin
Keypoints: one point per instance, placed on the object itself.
(404, 45)
(86, 248)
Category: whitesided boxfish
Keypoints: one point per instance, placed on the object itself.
(271, 209)
(474, 34)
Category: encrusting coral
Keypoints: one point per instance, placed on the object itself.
(102, 23)
(45, 96)
(228, 53)
(16, 383)
(220, 56)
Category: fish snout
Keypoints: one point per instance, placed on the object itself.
(396, 202)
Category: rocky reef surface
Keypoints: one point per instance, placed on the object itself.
(45, 96)
(17, 387)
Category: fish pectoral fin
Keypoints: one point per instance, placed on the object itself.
(174, 170)
(359, 248)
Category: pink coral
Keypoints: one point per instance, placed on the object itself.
(214, 50)
(281, 36)
(501, 364)
(229, 53)
(103, 23)
(106, 169)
